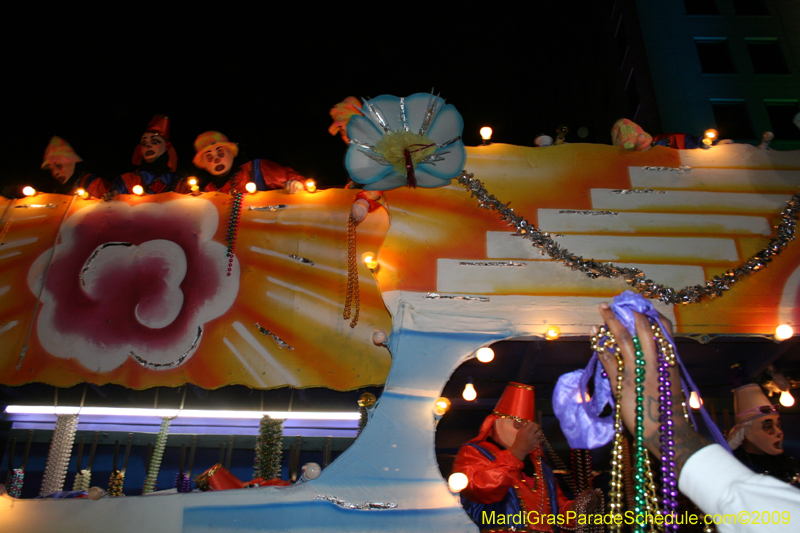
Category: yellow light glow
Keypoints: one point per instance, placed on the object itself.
(195, 188)
(783, 332)
(711, 134)
(787, 400)
(486, 133)
(695, 401)
(552, 333)
(28, 190)
(250, 187)
(457, 482)
(192, 181)
(370, 260)
(138, 190)
(80, 192)
(311, 185)
(469, 393)
(484, 354)
(441, 406)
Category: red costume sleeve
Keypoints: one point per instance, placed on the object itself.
(489, 481)
(275, 175)
(98, 187)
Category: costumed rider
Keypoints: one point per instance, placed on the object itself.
(365, 202)
(757, 438)
(155, 159)
(507, 473)
(66, 167)
(216, 156)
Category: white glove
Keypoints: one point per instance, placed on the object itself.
(359, 210)
(293, 186)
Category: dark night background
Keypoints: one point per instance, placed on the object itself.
(96, 76)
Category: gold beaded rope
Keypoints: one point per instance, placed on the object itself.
(352, 273)
(617, 455)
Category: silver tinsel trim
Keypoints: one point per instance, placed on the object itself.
(281, 344)
(378, 114)
(593, 213)
(430, 113)
(492, 263)
(157, 366)
(46, 206)
(94, 254)
(637, 191)
(366, 506)
(376, 157)
(682, 168)
(302, 259)
(403, 114)
(634, 277)
(437, 296)
(267, 207)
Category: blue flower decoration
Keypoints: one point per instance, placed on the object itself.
(413, 141)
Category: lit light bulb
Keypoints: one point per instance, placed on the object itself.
(695, 401)
(441, 406)
(552, 333)
(192, 181)
(486, 134)
(709, 137)
(783, 332)
(80, 192)
(28, 190)
(787, 400)
(311, 185)
(250, 187)
(370, 260)
(138, 190)
(469, 393)
(484, 354)
(457, 482)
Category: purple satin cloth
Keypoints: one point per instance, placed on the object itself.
(580, 420)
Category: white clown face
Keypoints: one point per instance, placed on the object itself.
(217, 160)
(152, 146)
(766, 434)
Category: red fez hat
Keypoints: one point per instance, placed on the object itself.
(218, 478)
(517, 402)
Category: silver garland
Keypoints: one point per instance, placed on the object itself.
(366, 506)
(634, 277)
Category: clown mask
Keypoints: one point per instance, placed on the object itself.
(152, 145)
(62, 170)
(217, 160)
(766, 435)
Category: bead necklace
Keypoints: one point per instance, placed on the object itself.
(669, 485)
(352, 273)
(233, 228)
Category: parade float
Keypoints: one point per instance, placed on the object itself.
(494, 242)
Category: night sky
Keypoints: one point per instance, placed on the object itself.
(96, 77)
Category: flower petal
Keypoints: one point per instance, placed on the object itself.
(363, 130)
(389, 107)
(391, 181)
(361, 168)
(447, 125)
(416, 107)
(453, 163)
(429, 181)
